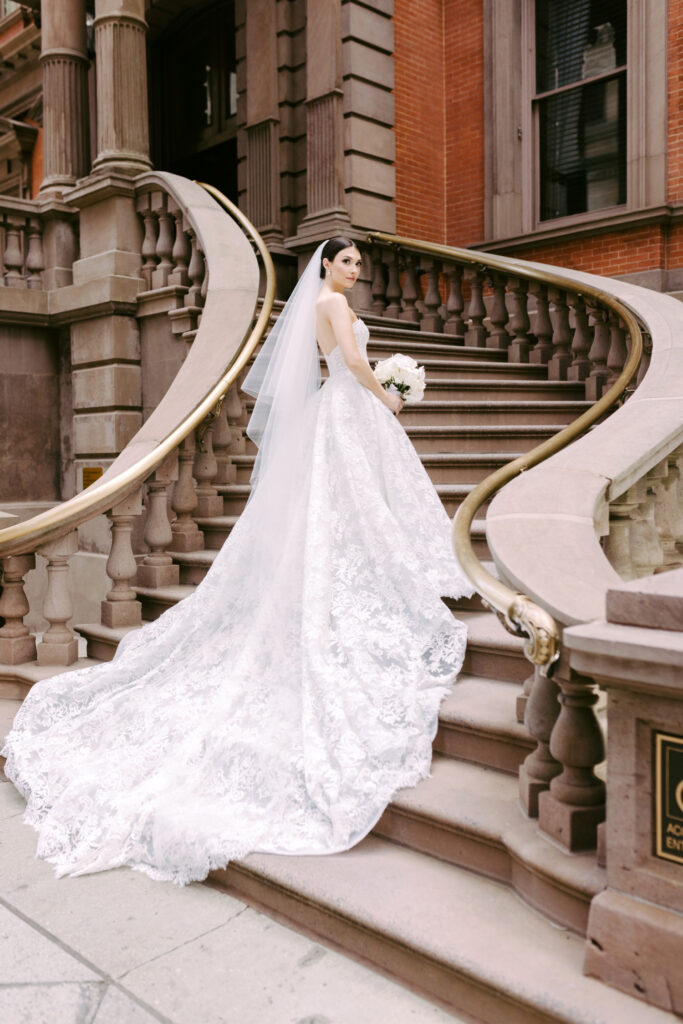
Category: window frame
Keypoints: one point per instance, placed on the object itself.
(512, 142)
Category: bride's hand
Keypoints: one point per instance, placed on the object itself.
(394, 402)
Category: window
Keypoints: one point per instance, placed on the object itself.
(7, 7)
(580, 105)
(575, 122)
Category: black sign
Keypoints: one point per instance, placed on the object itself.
(668, 772)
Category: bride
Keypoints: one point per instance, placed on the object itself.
(280, 706)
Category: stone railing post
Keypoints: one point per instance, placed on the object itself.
(597, 355)
(574, 805)
(543, 326)
(518, 352)
(59, 645)
(157, 568)
(121, 606)
(431, 319)
(226, 472)
(618, 544)
(562, 337)
(581, 342)
(616, 356)
(393, 289)
(16, 643)
(378, 285)
(455, 325)
(476, 311)
(498, 335)
(646, 548)
(186, 534)
(209, 501)
(540, 767)
(411, 291)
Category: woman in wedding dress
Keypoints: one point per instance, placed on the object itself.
(280, 706)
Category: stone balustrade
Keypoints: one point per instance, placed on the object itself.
(531, 321)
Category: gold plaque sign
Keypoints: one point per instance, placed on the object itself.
(668, 771)
(91, 474)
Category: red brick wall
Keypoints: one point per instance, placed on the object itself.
(619, 252)
(464, 83)
(675, 101)
(419, 119)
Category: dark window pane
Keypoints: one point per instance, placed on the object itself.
(583, 148)
(576, 39)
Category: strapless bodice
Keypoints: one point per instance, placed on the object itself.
(335, 360)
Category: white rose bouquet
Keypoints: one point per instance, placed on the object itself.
(402, 374)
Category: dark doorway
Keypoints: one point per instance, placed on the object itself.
(193, 97)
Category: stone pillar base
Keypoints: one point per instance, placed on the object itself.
(530, 790)
(65, 653)
(518, 352)
(16, 649)
(209, 505)
(121, 613)
(637, 947)
(575, 828)
(158, 575)
(184, 540)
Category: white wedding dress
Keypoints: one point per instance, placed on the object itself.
(279, 707)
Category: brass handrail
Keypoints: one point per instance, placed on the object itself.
(518, 613)
(26, 536)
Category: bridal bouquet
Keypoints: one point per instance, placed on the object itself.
(402, 374)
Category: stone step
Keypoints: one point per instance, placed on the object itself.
(462, 938)
(235, 496)
(456, 389)
(492, 413)
(438, 368)
(468, 439)
(492, 652)
(443, 467)
(477, 723)
(384, 343)
(470, 816)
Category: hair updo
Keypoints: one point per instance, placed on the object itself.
(333, 246)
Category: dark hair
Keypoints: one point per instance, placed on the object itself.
(333, 246)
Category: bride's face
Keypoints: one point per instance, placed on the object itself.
(344, 268)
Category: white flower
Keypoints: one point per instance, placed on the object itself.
(400, 369)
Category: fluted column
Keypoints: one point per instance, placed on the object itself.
(263, 120)
(66, 142)
(122, 117)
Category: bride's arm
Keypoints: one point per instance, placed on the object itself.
(337, 309)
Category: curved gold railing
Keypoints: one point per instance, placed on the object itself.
(129, 470)
(518, 613)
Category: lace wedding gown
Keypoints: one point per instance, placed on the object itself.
(279, 707)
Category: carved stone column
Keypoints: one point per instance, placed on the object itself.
(327, 214)
(66, 143)
(122, 114)
(263, 120)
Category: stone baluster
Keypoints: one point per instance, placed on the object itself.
(581, 343)
(203, 291)
(455, 325)
(195, 272)
(186, 534)
(164, 242)
(393, 289)
(237, 417)
(646, 548)
(476, 310)
(543, 326)
(562, 336)
(59, 645)
(16, 643)
(14, 257)
(157, 568)
(616, 355)
(209, 501)
(411, 291)
(378, 285)
(431, 318)
(518, 352)
(498, 336)
(180, 255)
(573, 807)
(595, 381)
(226, 472)
(618, 544)
(668, 512)
(523, 698)
(121, 606)
(35, 259)
(149, 243)
(540, 767)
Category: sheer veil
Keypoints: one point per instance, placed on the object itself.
(284, 379)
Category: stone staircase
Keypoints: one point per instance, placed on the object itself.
(445, 893)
